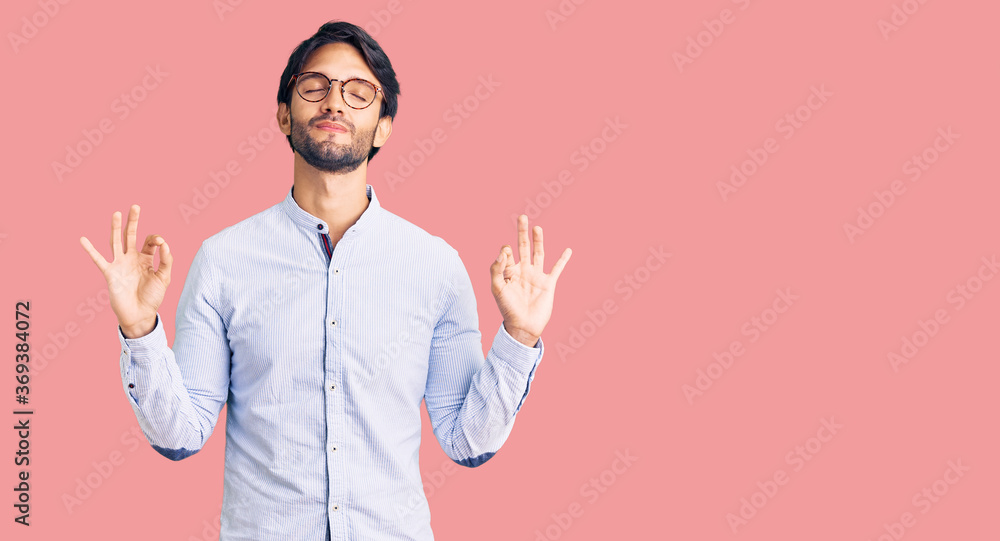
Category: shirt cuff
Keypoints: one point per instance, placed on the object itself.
(521, 357)
(144, 348)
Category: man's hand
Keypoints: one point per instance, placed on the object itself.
(135, 288)
(524, 293)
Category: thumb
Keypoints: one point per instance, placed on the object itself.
(166, 259)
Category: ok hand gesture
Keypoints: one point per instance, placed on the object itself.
(135, 288)
(524, 293)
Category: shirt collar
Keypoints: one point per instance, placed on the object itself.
(314, 224)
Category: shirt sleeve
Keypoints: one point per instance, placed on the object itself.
(177, 394)
(472, 401)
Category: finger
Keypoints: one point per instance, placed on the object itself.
(94, 254)
(149, 247)
(523, 240)
(166, 260)
(539, 257)
(116, 234)
(496, 272)
(133, 224)
(560, 263)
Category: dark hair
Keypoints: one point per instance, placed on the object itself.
(375, 57)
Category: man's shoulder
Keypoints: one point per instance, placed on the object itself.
(401, 230)
(257, 224)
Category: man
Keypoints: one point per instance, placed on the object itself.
(323, 322)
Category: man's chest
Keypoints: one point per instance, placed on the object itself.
(357, 327)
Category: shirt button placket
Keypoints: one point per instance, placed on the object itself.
(334, 427)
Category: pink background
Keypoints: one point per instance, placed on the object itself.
(622, 387)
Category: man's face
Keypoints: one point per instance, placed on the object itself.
(335, 151)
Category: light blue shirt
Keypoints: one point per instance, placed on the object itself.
(323, 356)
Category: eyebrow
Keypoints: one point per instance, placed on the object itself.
(349, 77)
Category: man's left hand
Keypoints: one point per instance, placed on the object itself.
(524, 293)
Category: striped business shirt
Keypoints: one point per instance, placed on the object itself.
(323, 354)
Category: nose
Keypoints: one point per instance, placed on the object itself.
(334, 100)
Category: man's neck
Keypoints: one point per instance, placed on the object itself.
(339, 200)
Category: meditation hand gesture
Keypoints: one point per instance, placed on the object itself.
(135, 288)
(524, 293)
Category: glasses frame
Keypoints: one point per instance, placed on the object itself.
(294, 83)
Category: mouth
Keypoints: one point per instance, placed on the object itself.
(331, 127)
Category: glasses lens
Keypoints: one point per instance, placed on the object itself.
(312, 86)
(358, 93)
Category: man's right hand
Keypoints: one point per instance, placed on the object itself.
(135, 288)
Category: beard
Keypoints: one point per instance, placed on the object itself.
(328, 156)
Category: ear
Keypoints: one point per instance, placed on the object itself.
(382, 131)
(284, 118)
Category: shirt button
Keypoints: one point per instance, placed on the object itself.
(334, 323)
(332, 387)
(335, 271)
(130, 385)
(336, 507)
(319, 226)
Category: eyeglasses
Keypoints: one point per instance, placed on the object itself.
(314, 86)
